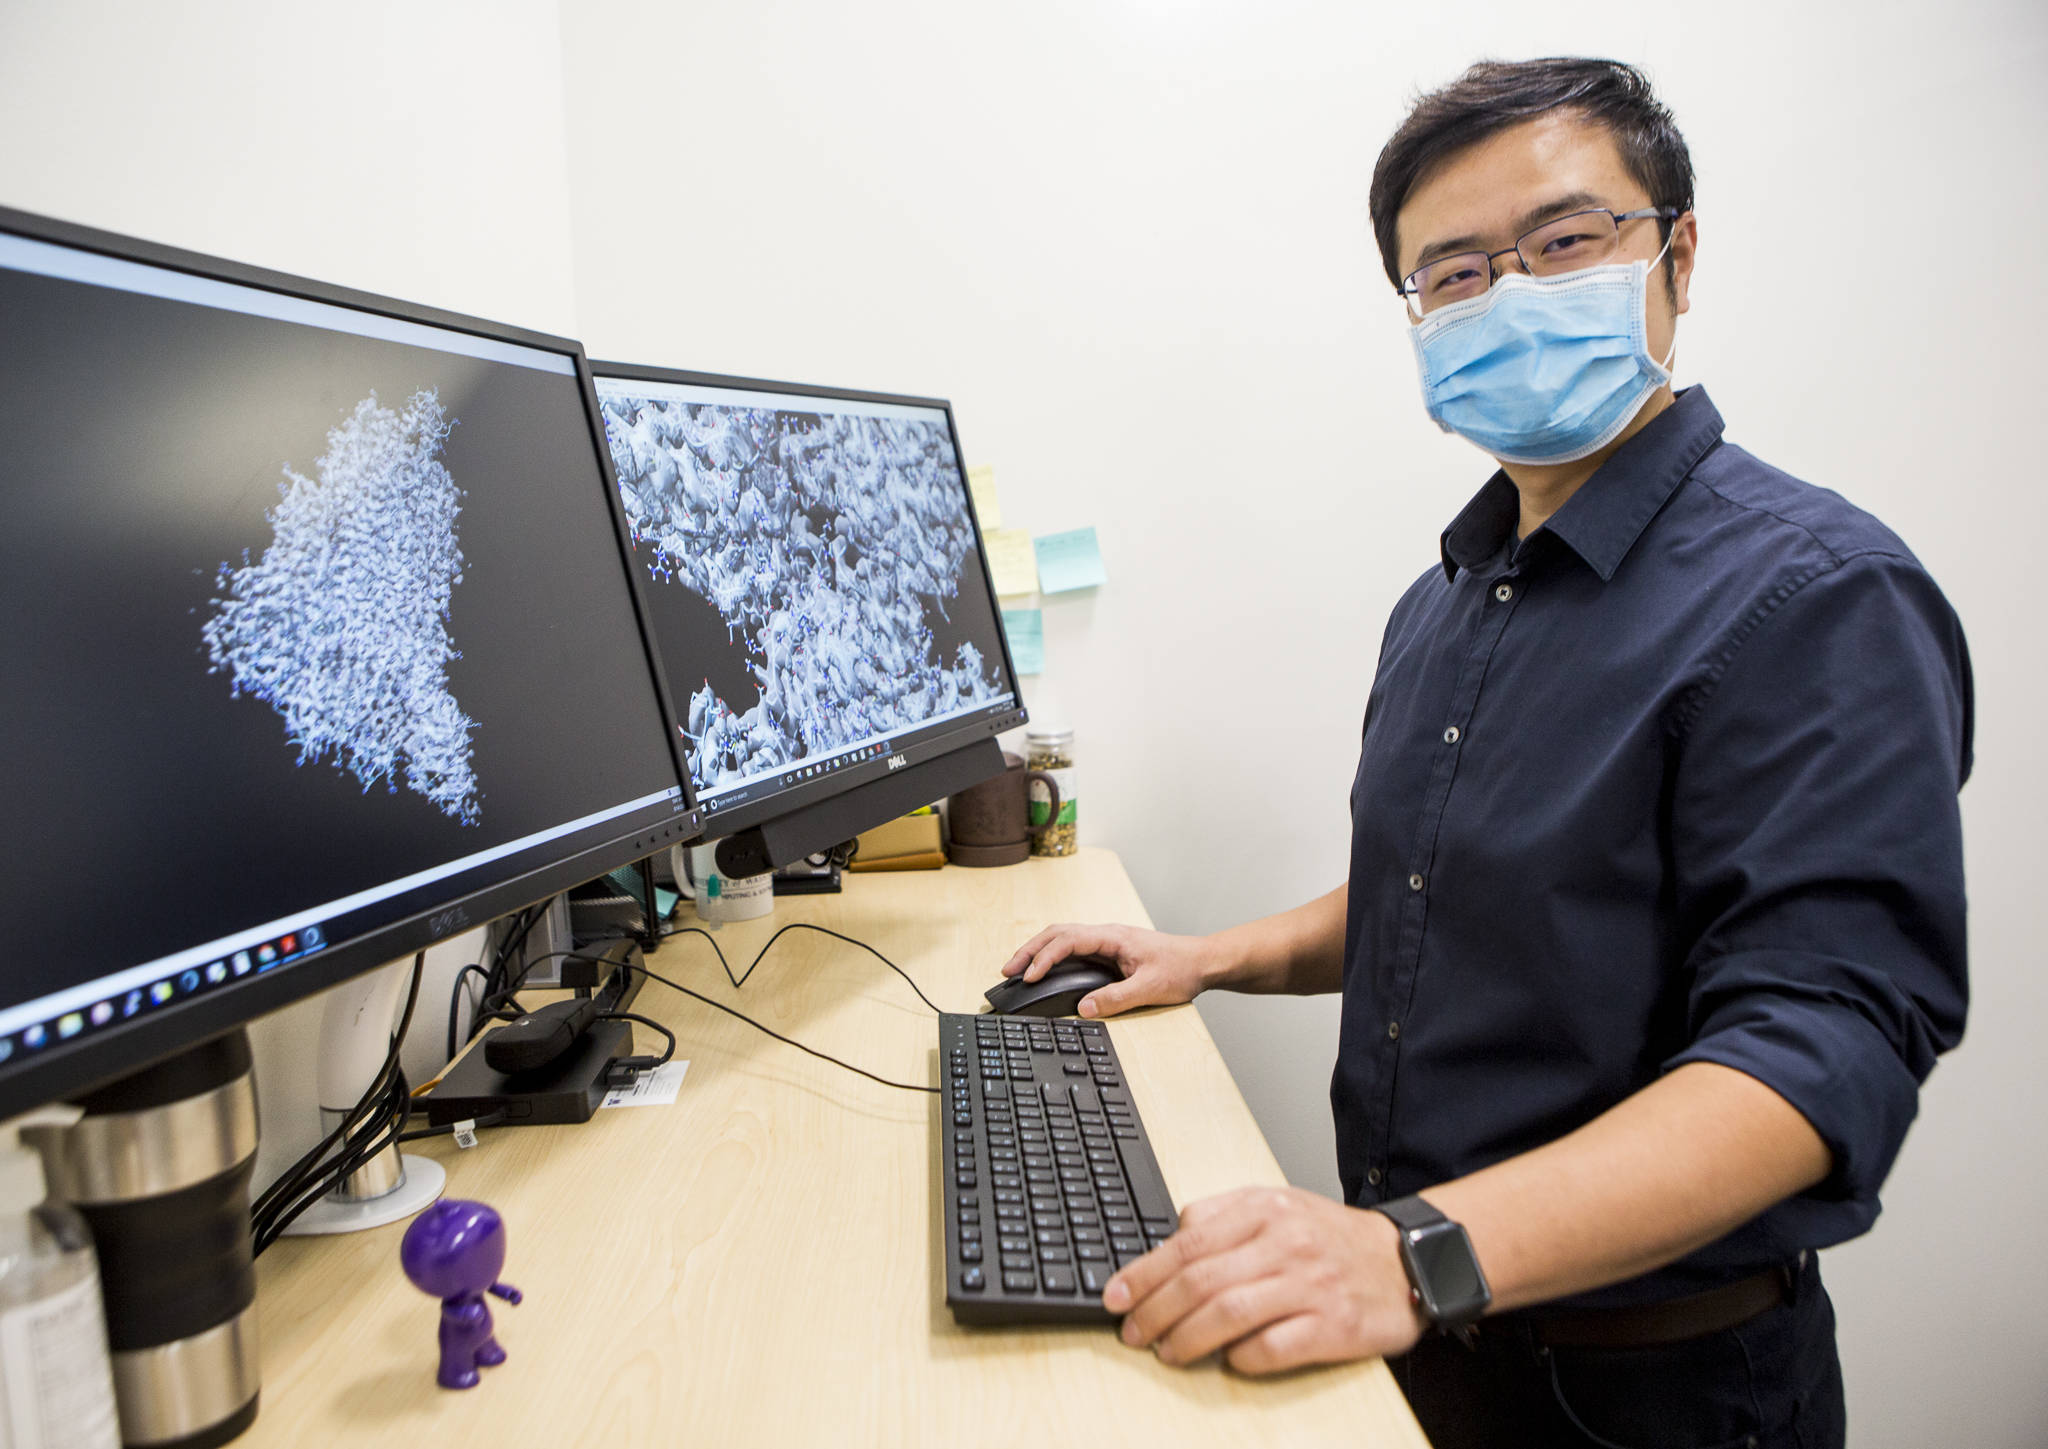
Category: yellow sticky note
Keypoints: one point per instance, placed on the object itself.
(988, 509)
(1012, 561)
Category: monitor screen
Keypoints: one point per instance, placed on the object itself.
(816, 579)
(322, 643)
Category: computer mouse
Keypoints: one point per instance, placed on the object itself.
(1058, 992)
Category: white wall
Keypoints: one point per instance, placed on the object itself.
(1129, 239)
(416, 150)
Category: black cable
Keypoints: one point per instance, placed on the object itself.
(363, 1140)
(287, 1183)
(377, 1134)
(371, 1125)
(641, 1064)
(455, 1002)
(786, 1041)
(495, 1006)
(740, 980)
(514, 942)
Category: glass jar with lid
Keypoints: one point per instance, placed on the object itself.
(1051, 748)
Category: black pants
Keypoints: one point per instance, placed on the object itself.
(1771, 1383)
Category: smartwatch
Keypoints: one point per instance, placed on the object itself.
(1442, 1267)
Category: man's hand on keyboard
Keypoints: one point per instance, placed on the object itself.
(1159, 970)
(1276, 1278)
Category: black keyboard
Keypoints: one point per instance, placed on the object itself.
(1048, 1180)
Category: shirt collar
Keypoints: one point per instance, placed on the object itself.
(1602, 521)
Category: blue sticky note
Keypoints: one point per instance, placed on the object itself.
(1026, 628)
(1071, 560)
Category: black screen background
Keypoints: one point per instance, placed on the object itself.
(142, 441)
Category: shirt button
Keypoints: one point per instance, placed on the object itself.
(1375, 1177)
(1414, 882)
(1393, 1031)
(1504, 592)
(1451, 735)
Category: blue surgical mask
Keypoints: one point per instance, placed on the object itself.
(1542, 369)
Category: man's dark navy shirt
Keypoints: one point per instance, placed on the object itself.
(1671, 780)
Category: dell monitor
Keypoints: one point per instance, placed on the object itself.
(322, 644)
(820, 597)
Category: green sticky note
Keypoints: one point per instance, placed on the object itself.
(627, 879)
(1026, 628)
(1071, 560)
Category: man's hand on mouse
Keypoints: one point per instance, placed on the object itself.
(1159, 970)
(1276, 1278)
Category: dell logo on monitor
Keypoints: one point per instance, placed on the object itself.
(445, 922)
(897, 762)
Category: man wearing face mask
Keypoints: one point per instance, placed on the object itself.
(1654, 921)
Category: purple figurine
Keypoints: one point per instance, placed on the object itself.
(455, 1251)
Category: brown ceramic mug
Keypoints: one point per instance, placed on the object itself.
(990, 824)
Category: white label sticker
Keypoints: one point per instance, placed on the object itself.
(657, 1088)
(54, 1373)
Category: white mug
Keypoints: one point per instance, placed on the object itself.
(719, 897)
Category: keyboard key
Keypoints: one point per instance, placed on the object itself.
(971, 1279)
(1059, 1280)
(1022, 1283)
(970, 1252)
(1095, 1277)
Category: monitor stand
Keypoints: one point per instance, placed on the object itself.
(826, 823)
(355, 1037)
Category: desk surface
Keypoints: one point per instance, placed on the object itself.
(753, 1265)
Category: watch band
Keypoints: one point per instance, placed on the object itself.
(1410, 1214)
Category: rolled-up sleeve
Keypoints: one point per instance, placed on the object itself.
(1818, 861)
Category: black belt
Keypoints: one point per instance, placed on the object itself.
(1672, 1321)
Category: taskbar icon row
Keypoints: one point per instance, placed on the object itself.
(838, 762)
(193, 980)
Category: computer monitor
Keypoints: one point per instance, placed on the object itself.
(821, 596)
(322, 644)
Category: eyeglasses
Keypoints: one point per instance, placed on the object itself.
(1583, 239)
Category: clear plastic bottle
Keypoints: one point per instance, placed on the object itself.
(56, 1379)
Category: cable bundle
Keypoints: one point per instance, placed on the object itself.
(372, 1126)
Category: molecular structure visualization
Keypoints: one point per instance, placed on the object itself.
(342, 625)
(822, 541)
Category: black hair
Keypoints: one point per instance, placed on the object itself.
(1496, 94)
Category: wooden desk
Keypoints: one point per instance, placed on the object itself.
(753, 1265)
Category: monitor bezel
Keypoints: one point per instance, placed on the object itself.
(719, 823)
(67, 1069)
